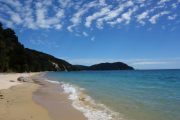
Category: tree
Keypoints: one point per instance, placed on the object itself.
(15, 58)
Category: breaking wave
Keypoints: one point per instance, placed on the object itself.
(85, 104)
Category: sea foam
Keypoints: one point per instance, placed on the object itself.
(85, 104)
(51, 81)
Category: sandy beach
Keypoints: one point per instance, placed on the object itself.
(8, 80)
(39, 100)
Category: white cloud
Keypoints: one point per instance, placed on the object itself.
(113, 13)
(40, 15)
(33, 17)
(163, 1)
(58, 26)
(93, 39)
(172, 17)
(60, 13)
(74, 15)
(69, 28)
(27, 14)
(125, 17)
(141, 1)
(42, 18)
(85, 34)
(154, 18)
(76, 19)
(13, 3)
(16, 18)
(96, 15)
(65, 3)
(149, 62)
(142, 16)
(176, 4)
(172, 63)
(102, 2)
(7, 22)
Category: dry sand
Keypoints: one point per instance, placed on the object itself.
(8, 80)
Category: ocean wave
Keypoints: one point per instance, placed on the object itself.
(87, 105)
(51, 81)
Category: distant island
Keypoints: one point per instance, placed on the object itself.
(14, 57)
(106, 66)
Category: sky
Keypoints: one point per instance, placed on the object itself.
(142, 33)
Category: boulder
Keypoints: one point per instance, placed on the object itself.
(11, 81)
(22, 79)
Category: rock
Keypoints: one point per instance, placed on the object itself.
(1, 97)
(11, 81)
(82, 99)
(22, 79)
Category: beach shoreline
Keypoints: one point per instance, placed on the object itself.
(78, 99)
(32, 100)
(52, 97)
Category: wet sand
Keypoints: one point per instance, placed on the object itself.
(52, 97)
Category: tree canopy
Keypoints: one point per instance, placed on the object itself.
(15, 58)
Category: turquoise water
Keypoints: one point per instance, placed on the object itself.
(135, 95)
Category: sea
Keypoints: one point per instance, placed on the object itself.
(122, 95)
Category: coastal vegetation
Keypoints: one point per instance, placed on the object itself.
(14, 57)
(111, 66)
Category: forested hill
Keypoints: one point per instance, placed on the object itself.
(111, 66)
(15, 58)
(106, 66)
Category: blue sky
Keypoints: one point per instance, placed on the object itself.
(142, 33)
